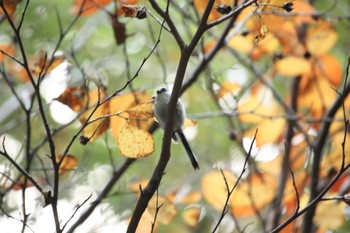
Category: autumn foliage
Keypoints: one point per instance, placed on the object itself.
(266, 86)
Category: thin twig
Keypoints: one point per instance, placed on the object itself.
(19, 168)
(230, 191)
(105, 191)
(76, 210)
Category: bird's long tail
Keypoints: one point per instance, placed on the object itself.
(188, 149)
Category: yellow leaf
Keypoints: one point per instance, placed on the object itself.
(269, 131)
(321, 39)
(242, 43)
(292, 66)
(255, 110)
(134, 142)
(121, 104)
(142, 111)
(166, 212)
(329, 215)
(263, 32)
(146, 222)
(270, 44)
(136, 185)
(141, 116)
(228, 87)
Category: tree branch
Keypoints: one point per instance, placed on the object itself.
(317, 149)
(165, 153)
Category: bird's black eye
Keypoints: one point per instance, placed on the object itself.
(161, 90)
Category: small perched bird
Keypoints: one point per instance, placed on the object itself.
(160, 111)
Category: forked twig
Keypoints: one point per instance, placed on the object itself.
(230, 191)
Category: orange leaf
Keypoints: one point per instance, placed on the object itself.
(303, 11)
(98, 127)
(209, 46)
(10, 7)
(317, 96)
(19, 184)
(72, 97)
(68, 163)
(269, 45)
(253, 194)
(329, 67)
(287, 34)
(88, 7)
(293, 66)
(200, 6)
(214, 189)
(45, 66)
(134, 142)
(8, 49)
(18, 71)
(321, 39)
(191, 216)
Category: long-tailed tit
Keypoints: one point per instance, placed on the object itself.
(160, 111)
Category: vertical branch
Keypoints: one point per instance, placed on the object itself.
(165, 15)
(285, 160)
(220, 43)
(25, 65)
(316, 195)
(154, 182)
(317, 149)
(36, 85)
